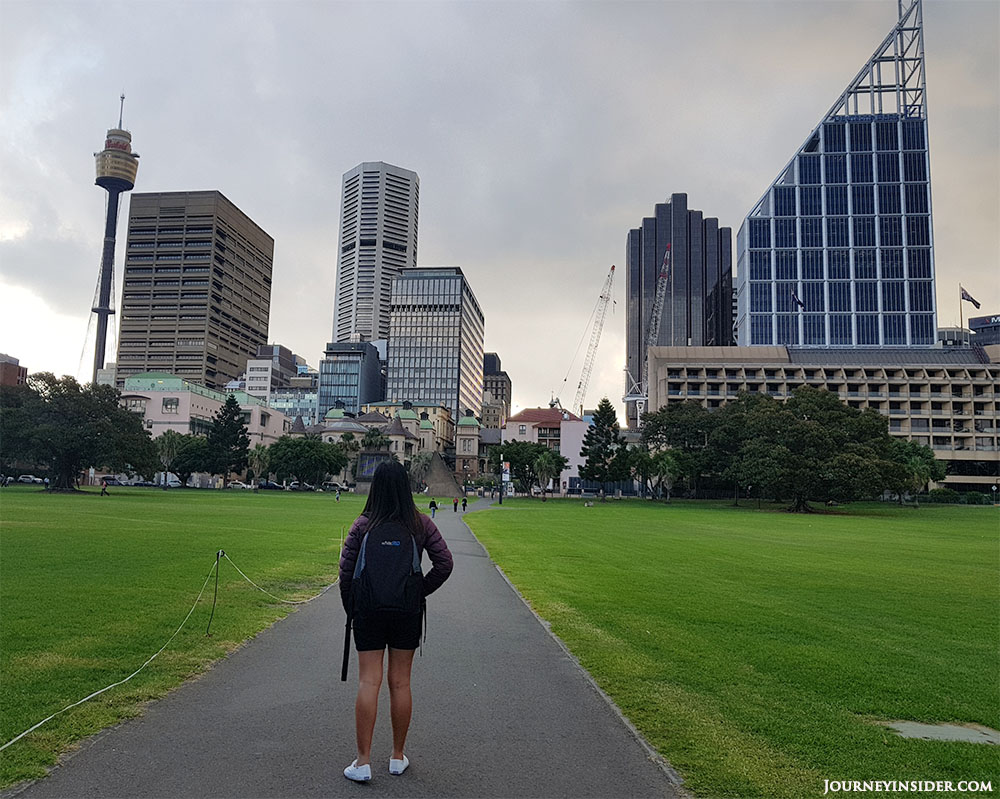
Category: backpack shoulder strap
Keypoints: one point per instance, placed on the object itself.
(359, 565)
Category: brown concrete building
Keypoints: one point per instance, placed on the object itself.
(197, 289)
(11, 372)
(947, 398)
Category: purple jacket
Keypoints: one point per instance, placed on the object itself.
(433, 544)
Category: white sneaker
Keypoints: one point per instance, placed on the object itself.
(398, 766)
(358, 773)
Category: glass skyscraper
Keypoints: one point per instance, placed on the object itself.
(436, 335)
(839, 250)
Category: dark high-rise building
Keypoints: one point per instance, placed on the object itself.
(350, 373)
(116, 170)
(497, 388)
(697, 308)
(839, 250)
(197, 291)
(436, 341)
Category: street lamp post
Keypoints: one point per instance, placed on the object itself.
(501, 478)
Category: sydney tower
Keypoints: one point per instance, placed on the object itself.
(116, 169)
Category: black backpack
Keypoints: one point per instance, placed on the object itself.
(387, 578)
(387, 575)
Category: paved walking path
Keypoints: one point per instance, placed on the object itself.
(500, 710)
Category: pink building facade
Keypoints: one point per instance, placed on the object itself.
(558, 429)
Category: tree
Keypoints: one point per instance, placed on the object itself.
(167, 446)
(420, 468)
(228, 442)
(305, 459)
(192, 456)
(547, 467)
(522, 456)
(604, 451)
(65, 427)
(683, 428)
(374, 439)
(653, 469)
(257, 460)
(911, 467)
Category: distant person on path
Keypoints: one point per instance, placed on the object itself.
(433, 506)
(389, 503)
(455, 505)
(465, 504)
(104, 488)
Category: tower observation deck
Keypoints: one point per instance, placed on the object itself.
(116, 170)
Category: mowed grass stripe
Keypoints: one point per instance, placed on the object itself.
(753, 648)
(91, 586)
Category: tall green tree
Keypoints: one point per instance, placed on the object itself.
(305, 459)
(64, 428)
(420, 468)
(374, 439)
(522, 456)
(683, 428)
(604, 451)
(228, 442)
(192, 456)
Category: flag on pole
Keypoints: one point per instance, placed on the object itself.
(968, 297)
(795, 298)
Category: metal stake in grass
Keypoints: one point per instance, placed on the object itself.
(218, 557)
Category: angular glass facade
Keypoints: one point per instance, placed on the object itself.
(436, 335)
(839, 250)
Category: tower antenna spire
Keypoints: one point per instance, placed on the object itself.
(121, 110)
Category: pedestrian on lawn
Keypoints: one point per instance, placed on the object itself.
(389, 502)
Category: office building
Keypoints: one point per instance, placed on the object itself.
(697, 305)
(11, 371)
(167, 402)
(947, 398)
(272, 368)
(378, 239)
(436, 341)
(560, 431)
(197, 290)
(838, 252)
(496, 392)
(351, 373)
(986, 330)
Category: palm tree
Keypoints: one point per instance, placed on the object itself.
(258, 461)
(546, 469)
(374, 439)
(420, 468)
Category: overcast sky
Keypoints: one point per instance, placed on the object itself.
(541, 133)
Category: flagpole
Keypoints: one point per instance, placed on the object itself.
(961, 323)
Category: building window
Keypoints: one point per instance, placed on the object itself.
(136, 405)
(522, 429)
(171, 404)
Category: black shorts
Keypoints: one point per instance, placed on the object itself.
(395, 630)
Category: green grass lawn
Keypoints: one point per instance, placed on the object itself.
(754, 649)
(91, 586)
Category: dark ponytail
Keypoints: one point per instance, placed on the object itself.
(390, 500)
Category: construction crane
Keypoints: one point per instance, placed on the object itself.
(599, 315)
(638, 392)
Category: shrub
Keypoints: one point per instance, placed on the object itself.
(949, 495)
(974, 498)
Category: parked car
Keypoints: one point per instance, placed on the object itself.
(238, 484)
(333, 485)
(297, 486)
(143, 484)
(30, 478)
(269, 485)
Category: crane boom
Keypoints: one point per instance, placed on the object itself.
(595, 339)
(654, 319)
(638, 392)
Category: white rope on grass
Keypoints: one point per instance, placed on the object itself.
(275, 598)
(120, 682)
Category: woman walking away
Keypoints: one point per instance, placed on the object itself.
(433, 506)
(389, 533)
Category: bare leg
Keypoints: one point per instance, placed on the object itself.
(400, 698)
(366, 706)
